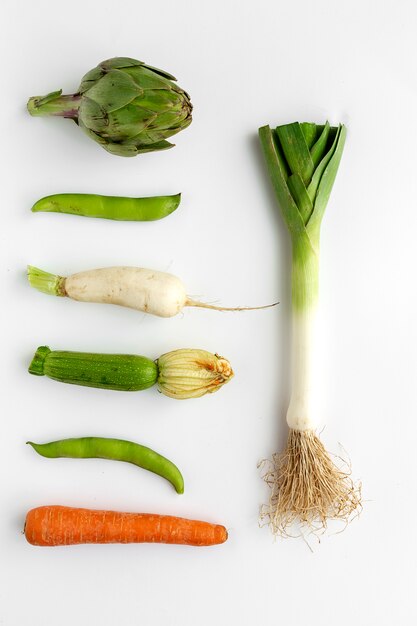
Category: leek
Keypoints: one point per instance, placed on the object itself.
(307, 487)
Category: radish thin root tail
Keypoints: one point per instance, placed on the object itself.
(308, 489)
(203, 305)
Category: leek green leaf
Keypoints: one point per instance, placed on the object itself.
(310, 133)
(302, 161)
(319, 148)
(296, 151)
(301, 197)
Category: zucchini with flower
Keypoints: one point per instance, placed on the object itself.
(124, 105)
(137, 288)
(307, 486)
(180, 374)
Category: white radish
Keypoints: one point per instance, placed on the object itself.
(138, 288)
(150, 291)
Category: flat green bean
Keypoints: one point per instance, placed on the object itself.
(114, 450)
(109, 207)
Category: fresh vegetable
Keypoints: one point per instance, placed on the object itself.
(192, 373)
(145, 290)
(302, 160)
(114, 450)
(67, 526)
(124, 105)
(108, 371)
(109, 207)
(179, 374)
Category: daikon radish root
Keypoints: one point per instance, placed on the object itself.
(137, 288)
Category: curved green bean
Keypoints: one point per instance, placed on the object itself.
(109, 207)
(114, 450)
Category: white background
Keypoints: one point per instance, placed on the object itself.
(245, 64)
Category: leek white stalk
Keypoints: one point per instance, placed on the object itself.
(302, 410)
(307, 487)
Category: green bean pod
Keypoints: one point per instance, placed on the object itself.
(114, 450)
(122, 372)
(110, 207)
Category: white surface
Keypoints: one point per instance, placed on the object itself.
(245, 64)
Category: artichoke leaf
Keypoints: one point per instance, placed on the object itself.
(157, 100)
(170, 119)
(94, 136)
(124, 62)
(89, 79)
(159, 145)
(129, 150)
(146, 79)
(48, 98)
(161, 73)
(129, 121)
(121, 149)
(119, 62)
(114, 90)
(92, 115)
(155, 135)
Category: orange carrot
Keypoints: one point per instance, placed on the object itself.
(65, 526)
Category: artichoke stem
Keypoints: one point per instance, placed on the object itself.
(55, 104)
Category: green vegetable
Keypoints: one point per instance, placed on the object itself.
(114, 450)
(109, 207)
(303, 188)
(302, 161)
(108, 371)
(179, 374)
(48, 283)
(124, 105)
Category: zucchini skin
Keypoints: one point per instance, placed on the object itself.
(121, 372)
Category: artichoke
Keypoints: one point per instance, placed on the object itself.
(126, 106)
